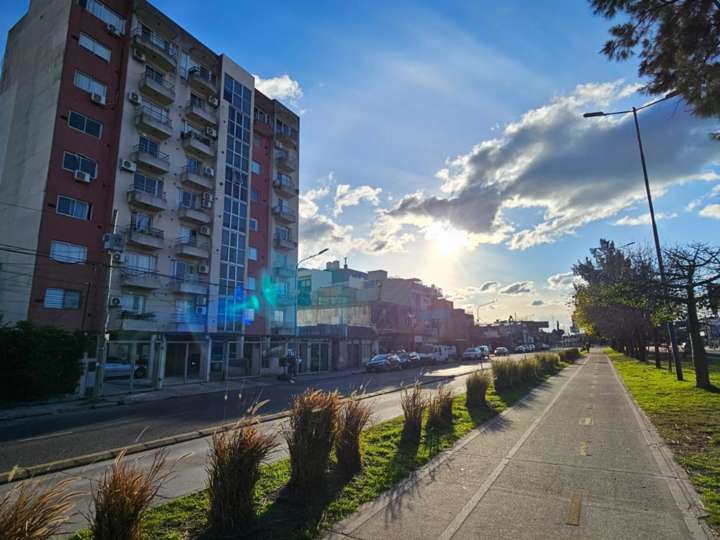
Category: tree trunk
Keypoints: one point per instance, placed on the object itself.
(702, 376)
(656, 343)
(642, 351)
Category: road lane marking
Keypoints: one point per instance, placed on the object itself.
(466, 510)
(587, 421)
(48, 436)
(584, 448)
(573, 516)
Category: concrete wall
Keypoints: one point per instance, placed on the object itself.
(29, 92)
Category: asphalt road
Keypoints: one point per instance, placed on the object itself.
(189, 459)
(34, 441)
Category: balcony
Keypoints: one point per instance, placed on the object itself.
(158, 50)
(197, 248)
(194, 215)
(152, 122)
(285, 162)
(286, 138)
(284, 243)
(189, 286)
(201, 113)
(284, 214)
(152, 201)
(161, 90)
(146, 237)
(152, 159)
(285, 185)
(140, 279)
(198, 144)
(138, 322)
(196, 177)
(202, 80)
(284, 299)
(286, 272)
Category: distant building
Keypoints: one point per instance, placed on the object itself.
(511, 333)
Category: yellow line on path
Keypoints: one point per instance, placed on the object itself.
(573, 516)
(587, 421)
(584, 448)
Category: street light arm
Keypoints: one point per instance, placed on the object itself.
(324, 250)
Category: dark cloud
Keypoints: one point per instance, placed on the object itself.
(488, 286)
(519, 287)
(536, 303)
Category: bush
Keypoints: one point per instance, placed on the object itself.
(529, 369)
(509, 373)
(39, 361)
(440, 413)
(28, 512)
(121, 498)
(234, 469)
(476, 386)
(354, 416)
(570, 355)
(413, 405)
(549, 362)
(310, 437)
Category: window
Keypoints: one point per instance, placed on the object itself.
(69, 253)
(187, 199)
(183, 270)
(141, 221)
(278, 315)
(184, 310)
(98, 49)
(255, 168)
(252, 253)
(87, 83)
(255, 195)
(251, 283)
(140, 261)
(197, 101)
(148, 184)
(157, 112)
(155, 75)
(187, 235)
(76, 162)
(253, 224)
(249, 315)
(61, 299)
(283, 233)
(134, 303)
(85, 124)
(68, 206)
(146, 145)
(257, 141)
(104, 13)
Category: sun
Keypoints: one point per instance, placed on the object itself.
(446, 239)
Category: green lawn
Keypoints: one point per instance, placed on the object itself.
(687, 418)
(386, 462)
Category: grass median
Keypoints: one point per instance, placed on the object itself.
(688, 418)
(388, 459)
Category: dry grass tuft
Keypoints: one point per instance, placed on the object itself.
(122, 496)
(413, 405)
(440, 413)
(354, 416)
(29, 512)
(233, 470)
(310, 435)
(476, 386)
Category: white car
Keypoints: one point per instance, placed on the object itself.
(475, 353)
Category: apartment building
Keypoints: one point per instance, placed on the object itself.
(138, 184)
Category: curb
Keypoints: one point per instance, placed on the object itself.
(23, 473)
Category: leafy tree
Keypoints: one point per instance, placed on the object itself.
(678, 42)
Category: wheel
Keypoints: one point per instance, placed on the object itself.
(139, 372)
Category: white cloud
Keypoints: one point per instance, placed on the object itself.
(643, 219)
(711, 211)
(345, 195)
(577, 170)
(519, 287)
(563, 280)
(282, 87)
(466, 293)
(308, 204)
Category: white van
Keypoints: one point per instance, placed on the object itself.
(438, 354)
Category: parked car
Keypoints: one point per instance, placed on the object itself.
(383, 362)
(408, 359)
(520, 349)
(501, 351)
(437, 354)
(529, 347)
(475, 354)
(121, 368)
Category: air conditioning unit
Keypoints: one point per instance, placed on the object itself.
(203, 269)
(115, 301)
(211, 132)
(97, 99)
(209, 172)
(112, 30)
(82, 176)
(214, 101)
(113, 242)
(117, 259)
(205, 230)
(200, 310)
(138, 55)
(207, 204)
(134, 98)
(127, 165)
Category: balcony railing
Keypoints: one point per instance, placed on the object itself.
(157, 116)
(161, 88)
(285, 214)
(149, 231)
(151, 38)
(152, 157)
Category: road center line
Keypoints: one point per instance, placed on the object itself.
(573, 517)
(461, 516)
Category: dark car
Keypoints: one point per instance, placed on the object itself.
(408, 359)
(121, 368)
(383, 362)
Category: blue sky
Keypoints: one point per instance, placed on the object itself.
(445, 141)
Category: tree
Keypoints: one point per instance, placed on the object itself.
(678, 42)
(693, 273)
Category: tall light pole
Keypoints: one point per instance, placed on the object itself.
(297, 267)
(656, 238)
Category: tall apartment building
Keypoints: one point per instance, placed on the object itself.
(143, 176)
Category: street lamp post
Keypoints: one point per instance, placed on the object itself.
(656, 237)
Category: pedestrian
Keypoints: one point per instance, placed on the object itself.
(291, 367)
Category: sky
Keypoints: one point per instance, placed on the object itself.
(445, 141)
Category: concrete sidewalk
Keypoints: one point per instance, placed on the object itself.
(576, 459)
